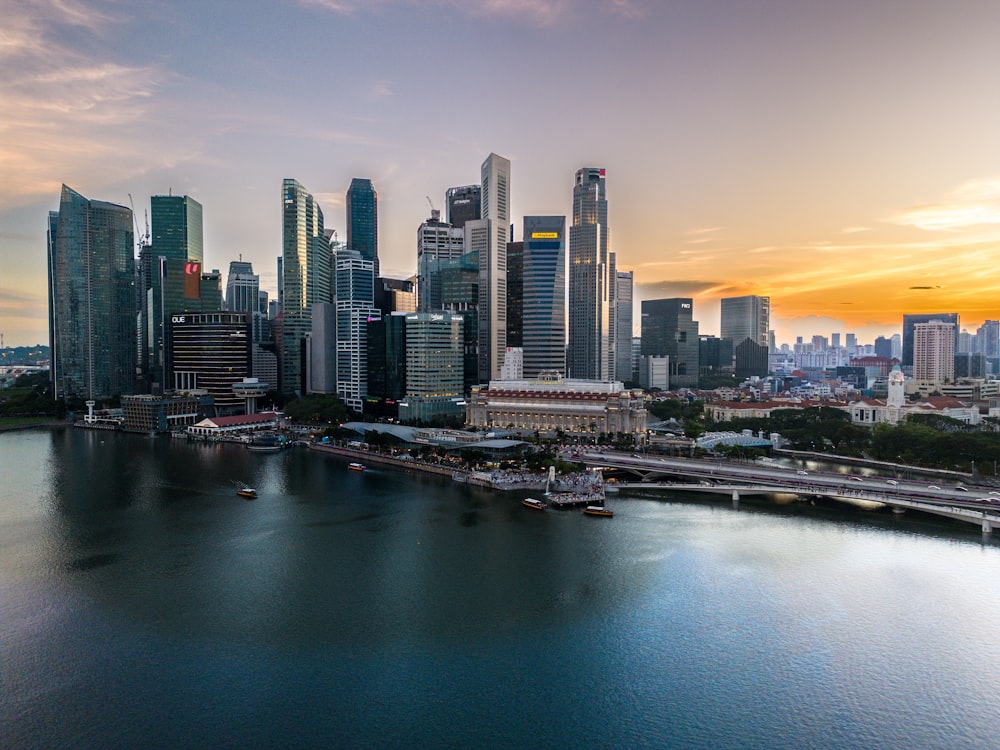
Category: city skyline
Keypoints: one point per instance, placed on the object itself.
(849, 170)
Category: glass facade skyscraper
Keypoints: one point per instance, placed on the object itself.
(590, 278)
(622, 325)
(668, 329)
(544, 305)
(362, 220)
(178, 252)
(307, 278)
(744, 318)
(91, 268)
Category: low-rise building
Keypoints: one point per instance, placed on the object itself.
(146, 413)
(551, 403)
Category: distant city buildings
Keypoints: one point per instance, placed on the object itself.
(551, 308)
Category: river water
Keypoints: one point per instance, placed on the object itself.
(143, 604)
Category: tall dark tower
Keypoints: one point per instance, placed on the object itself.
(465, 203)
(362, 220)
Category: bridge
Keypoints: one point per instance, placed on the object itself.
(972, 503)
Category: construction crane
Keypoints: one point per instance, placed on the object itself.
(142, 239)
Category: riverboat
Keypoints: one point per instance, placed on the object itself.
(530, 502)
(598, 510)
(245, 490)
(354, 466)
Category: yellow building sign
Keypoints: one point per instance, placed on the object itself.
(545, 235)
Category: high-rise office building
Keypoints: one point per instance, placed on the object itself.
(589, 278)
(211, 351)
(321, 345)
(544, 295)
(362, 220)
(883, 347)
(669, 329)
(178, 254)
(177, 228)
(386, 364)
(92, 323)
(434, 383)
(242, 287)
(307, 278)
(437, 242)
(934, 351)
(988, 338)
(515, 294)
(622, 320)
(355, 309)
(492, 248)
(459, 283)
(909, 321)
(464, 204)
(746, 317)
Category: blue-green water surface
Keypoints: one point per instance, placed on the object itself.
(143, 604)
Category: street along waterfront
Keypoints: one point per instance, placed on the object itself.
(143, 603)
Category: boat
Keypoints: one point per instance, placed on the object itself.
(530, 502)
(355, 466)
(598, 510)
(267, 443)
(245, 490)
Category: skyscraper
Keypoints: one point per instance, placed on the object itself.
(544, 294)
(242, 287)
(934, 351)
(178, 255)
(492, 247)
(307, 278)
(746, 317)
(623, 326)
(669, 329)
(92, 331)
(437, 242)
(355, 309)
(589, 278)
(909, 321)
(515, 294)
(362, 220)
(464, 204)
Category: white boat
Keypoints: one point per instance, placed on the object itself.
(530, 502)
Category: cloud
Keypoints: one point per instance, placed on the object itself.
(539, 12)
(18, 303)
(974, 204)
(855, 230)
(66, 112)
(924, 287)
(380, 90)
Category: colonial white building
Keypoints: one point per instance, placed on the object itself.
(549, 403)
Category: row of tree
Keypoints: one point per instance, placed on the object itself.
(934, 441)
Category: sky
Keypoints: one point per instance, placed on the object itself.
(842, 158)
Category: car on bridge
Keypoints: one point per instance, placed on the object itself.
(893, 482)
